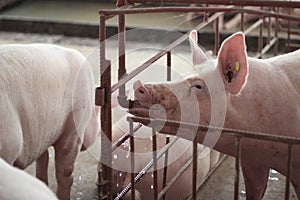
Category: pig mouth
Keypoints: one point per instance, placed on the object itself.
(139, 110)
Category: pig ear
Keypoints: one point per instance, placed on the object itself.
(232, 63)
(197, 54)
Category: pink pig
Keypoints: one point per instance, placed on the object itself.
(17, 184)
(260, 95)
(46, 99)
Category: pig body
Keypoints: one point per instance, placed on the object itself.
(260, 96)
(16, 184)
(179, 154)
(46, 99)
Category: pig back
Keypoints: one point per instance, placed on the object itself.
(36, 84)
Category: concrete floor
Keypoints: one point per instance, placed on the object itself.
(218, 187)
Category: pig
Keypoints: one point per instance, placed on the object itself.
(179, 154)
(46, 99)
(16, 184)
(259, 95)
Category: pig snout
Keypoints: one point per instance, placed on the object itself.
(141, 93)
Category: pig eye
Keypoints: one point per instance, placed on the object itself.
(198, 86)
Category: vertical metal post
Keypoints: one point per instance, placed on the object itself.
(288, 174)
(289, 33)
(205, 15)
(269, 29)
(166, 166)
(154, 149)
(242, 21)
(217, 36)
(276, 33)
(122, 59)
(194, 174)
(165, 173)
(105, 176)
(237, 168)
(169, 60)
(260, 39)
(132, 161)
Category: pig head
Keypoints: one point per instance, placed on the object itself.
(259, 95)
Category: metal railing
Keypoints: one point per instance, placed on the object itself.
(103, 93)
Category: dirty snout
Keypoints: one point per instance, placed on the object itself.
(142, 94)
(150, 101)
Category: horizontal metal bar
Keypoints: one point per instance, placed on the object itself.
(157, 56)
(200, 9)
(291, 4)
(227, 131)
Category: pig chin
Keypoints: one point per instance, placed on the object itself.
(154, 111)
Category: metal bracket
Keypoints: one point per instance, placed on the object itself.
(100, 96)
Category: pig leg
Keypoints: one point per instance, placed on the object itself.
(64, 165)
(41, 168)
(256, 179)
(66, 151)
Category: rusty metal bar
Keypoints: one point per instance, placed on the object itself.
(242, 21)
(281, 3)
(125, 137)
(165, 172)
(169, 66)
(260, 39)
(165, 168)
(157, 56)
(194, 173)
(175, 178)
(288, 177)
(227, 131)
(289, 33)
(237, 168)
(132, 162)
(198, 9)
(122, 59)
(146, 168)
(99, 96)
(154, 149)
(276, 33)
(105, 182)
(217, 36)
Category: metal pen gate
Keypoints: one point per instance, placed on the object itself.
(103, 93)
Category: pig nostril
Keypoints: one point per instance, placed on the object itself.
(141, 91)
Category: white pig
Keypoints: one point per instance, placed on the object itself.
(16, 184)
(261, 95)
(46, 99)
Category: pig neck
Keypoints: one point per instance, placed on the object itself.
(268, 98)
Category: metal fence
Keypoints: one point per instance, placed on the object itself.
(268, 38)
